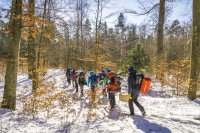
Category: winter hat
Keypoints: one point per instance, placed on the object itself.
(91, 73)
(82, 74)
(108, 70)
(131, 69)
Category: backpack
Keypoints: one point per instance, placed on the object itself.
(138, 81)
(82, 81)
(102, 75)
(111, 75)
(113, 86)
(74, 76)
(93, 80)
(146, 83)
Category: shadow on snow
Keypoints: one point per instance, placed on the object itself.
(147, 126)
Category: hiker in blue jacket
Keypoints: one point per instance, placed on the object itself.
(134, 89)
(89, 79)
(93, 85)
(68, 75)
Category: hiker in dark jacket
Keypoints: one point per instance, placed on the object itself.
(133, 90)
(69, 76)
(82, 81)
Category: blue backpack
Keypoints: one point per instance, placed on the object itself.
(93, 81)
(93, 77)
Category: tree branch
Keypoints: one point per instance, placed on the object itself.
(134, 12)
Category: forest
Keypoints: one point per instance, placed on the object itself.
(40, 40)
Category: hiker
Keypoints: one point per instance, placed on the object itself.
(69, 76)
(74, 81)
(105, 82)
(102, 75)
(82, 81)
(89, 79)
(93, 86)
(134, 85)
(112, 87)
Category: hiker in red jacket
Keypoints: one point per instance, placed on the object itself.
(112, 87)
(74, 80)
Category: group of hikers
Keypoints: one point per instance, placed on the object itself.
(110, 84)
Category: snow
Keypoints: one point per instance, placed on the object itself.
(166, 113)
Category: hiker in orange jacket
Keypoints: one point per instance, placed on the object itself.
(112, 87)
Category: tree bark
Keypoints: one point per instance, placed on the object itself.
(31, 37)
(9, 96)
(97, 35)
(77, 34)
(161, 21)
(32, 47)
(41, 57)
(195, 51)
(160, 52)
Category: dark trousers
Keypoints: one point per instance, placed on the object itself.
(135, 101)
(111, 97)
(76, 86)
(81, 87)
(69, 81)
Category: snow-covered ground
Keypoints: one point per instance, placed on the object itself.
(165, 113)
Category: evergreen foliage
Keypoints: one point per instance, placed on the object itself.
(138, 57)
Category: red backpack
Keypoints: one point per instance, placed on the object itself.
(73, 75)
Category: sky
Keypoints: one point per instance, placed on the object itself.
(182, 10)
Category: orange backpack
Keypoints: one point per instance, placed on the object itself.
(146, 83)
(113, 86)
(111, 75)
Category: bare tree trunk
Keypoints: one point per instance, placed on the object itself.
(97, 35)
(77, 33)
(9, 96)
(161, 21)
(160, 52)
(195, 51)
(69, 53)
(81, 31)
(32, 47)
(41, 57)
(67, 44)
(31, 41)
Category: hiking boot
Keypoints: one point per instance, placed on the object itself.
(112, 108)
(143, 113)
(132, 113)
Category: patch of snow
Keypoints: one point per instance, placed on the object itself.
(165, 113)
